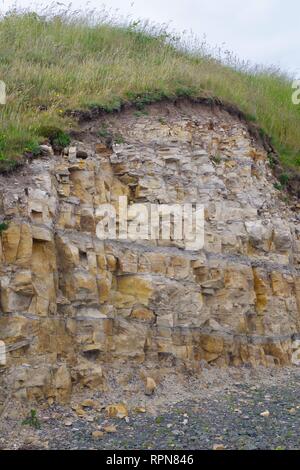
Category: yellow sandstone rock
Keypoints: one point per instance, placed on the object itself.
(150, 386)
(73, 306)
(118, 410)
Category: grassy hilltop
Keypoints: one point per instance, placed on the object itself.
(62, 61)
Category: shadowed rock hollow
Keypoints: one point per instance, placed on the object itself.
(73, 305)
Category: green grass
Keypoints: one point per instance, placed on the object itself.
(32, 420)
(3, 227)
(65, 61)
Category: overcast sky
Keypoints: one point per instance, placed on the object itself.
(262, 31)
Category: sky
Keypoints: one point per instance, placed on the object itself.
(262, 31)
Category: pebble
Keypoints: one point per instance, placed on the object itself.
(97, 434)
(218, 447)
(68, 422)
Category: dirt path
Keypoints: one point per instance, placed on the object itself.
(220, 408)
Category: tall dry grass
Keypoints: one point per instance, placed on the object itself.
(59, 60)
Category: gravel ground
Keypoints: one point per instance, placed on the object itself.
(215, 409)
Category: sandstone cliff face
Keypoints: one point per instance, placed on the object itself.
(72, 304)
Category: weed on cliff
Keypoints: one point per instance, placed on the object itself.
(32, 420)
(3, 227)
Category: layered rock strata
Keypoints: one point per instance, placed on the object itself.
(72, 304)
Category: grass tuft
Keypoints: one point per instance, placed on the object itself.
(3, 227)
